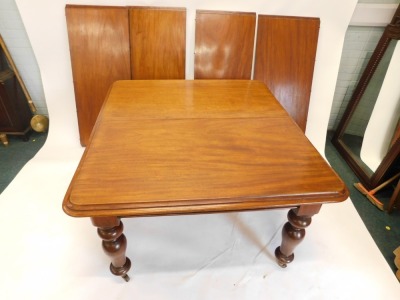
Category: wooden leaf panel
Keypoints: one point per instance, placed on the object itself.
(158, 42)
(224, 45)
(99, 45)
(285, 57)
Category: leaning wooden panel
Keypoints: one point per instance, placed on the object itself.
(224, 45)
(158, 42)
(99, 45)
(285, 57)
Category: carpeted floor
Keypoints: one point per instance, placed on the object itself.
(16, 155)
(383, 227)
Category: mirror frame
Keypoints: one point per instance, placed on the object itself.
(392, 32)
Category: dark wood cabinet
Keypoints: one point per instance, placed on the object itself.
(15, 114)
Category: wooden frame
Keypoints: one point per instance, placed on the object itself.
(17, 75)
(16, 105)
(370, 181)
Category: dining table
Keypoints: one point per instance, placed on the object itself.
(172, 147)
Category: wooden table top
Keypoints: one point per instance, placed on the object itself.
(176, 146)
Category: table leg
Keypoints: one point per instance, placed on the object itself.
(114, 244)
(293, 232)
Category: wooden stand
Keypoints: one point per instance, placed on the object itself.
(371, 194)
(16, 107)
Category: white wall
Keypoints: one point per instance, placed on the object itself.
(45, 24)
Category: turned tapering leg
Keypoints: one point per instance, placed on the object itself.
(293, 232)
(114, 244)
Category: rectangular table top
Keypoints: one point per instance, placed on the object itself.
(196, 146)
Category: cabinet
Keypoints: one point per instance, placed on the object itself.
(15, 113)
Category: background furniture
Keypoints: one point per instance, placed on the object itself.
(362, 102)
(15, 112)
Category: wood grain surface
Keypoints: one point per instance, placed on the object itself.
(99, 46)
(175, 146)
(285, 57)
(224, 44)
(158, 42)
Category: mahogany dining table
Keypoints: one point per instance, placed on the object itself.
(167, 147)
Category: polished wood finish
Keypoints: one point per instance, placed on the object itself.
(285, 57)
(100, 54)
(158, 42)
(114, 244)
(391, 32)
(171, 144)
(224, 44)
(112, 43)
(293, 232)
(200, 146)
